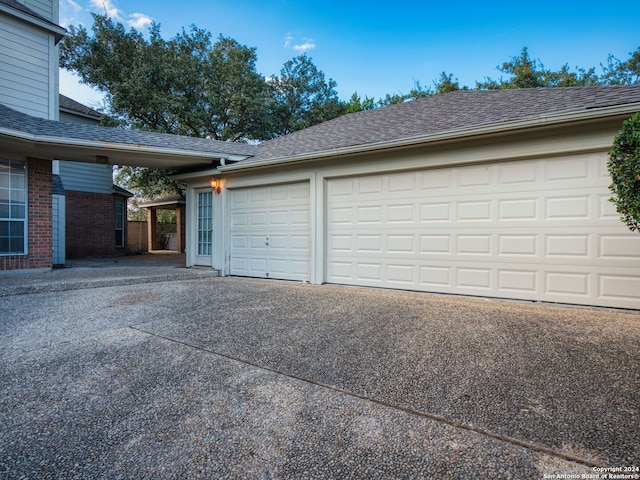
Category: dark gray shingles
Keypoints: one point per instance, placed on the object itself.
(429, 116)
(444, 113)
(70, 104)
(14, 120)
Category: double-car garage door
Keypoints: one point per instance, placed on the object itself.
(535, 229)
(539, 230)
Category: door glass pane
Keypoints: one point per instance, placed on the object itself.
(205, 212)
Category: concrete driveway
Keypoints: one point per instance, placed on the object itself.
(119, 370)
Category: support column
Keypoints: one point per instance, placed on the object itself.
(152, 225)
(180, 227)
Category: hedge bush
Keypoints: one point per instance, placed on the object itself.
(624, 169)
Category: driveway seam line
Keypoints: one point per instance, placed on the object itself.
(429, 416)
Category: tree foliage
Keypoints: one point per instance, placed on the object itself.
(302, 96)
(618, 72)
(624, 169)
(356, 104)
(525, 72)
(187, 85)
(191, 85)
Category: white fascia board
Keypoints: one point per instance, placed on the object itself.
(494, 128)
(43, 140)
(76, 113)
(197, 174)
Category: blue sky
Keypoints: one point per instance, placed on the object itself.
(376, 48)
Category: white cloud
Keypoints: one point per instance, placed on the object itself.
(139, 20)
(305, 47)
(73, 5)
(107, 7)
(70, 13)
(287, 40)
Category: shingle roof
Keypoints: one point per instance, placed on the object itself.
(448, 113)
(14, 120)
(71, 105)
(443, 113)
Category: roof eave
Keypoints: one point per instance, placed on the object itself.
(59, 146)
(449, 135)
(77, 113)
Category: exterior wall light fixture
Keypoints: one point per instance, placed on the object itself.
(215, 185)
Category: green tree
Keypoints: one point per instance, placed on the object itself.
(392, 99)
(302, 97)
(187, 85)
(525, 72)
(617, 72)
(147, 182)
(356, 104)
(446, 84)
(624, 169)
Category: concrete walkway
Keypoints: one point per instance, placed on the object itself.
(208, 377)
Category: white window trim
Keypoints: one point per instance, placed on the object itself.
(25, 220)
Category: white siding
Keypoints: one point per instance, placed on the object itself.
(86, 177)
(26, 78)
(46, 8)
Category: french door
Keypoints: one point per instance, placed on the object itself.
(204, 227)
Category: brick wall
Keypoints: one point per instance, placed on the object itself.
(91, 224)
(40, 247)
(137, 236)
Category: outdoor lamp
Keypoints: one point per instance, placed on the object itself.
(215, 185)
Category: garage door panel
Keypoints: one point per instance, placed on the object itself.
(520, 209)
(536, 230)
(269, 231)
(474, 278)
(569, 284)
(517, 280)
(436, 244)
(621, 288)
(622, 247)
(475, 245)
(520, 175)
(436, 278)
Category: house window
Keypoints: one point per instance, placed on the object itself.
(120, 219)
(13, 210)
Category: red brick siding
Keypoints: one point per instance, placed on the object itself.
(137, 235)
(91, 224)
(40, 247)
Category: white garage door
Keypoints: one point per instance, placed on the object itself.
(537, 230)
(270, 232)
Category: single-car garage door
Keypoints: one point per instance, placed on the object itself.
(536, 229)
(269, 231)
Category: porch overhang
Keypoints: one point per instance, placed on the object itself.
(24, 144)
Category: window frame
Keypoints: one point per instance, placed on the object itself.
(15, 168)
(119, 206)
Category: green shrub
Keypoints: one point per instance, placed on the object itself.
(624, 169)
